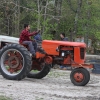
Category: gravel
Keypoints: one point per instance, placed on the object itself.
(55, 86)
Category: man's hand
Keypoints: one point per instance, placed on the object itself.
(38, 31)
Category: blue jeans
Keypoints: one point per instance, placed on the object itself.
(32, 46)
(62, 66)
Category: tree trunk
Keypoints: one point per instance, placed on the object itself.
(38, 22)
(45, 14)
(77, 15)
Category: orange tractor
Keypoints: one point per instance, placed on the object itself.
(16, 61)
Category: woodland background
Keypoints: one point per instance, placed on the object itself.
(76, 18)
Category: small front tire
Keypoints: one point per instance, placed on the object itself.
(80, 76)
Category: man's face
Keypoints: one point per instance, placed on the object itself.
(61, 36)
(28, 27)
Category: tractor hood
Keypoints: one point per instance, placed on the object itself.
(51, 46)
(9, 39)
(65, 43)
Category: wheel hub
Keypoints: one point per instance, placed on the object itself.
(48, 60)
(78, 77)
(13, 62)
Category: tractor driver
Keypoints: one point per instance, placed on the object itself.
(25, 39)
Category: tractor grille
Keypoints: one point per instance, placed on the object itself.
(82, 53)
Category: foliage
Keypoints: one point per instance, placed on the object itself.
(74, 17)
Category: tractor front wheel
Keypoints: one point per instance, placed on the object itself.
(80, 76)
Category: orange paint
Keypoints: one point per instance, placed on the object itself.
(39, 55)
(82, 65)
(50, 46)
(77, 57)
(78, 77)
(67, 60)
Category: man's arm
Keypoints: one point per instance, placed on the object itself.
(26, 33)
(31, 34)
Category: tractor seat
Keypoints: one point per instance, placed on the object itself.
(25, 45)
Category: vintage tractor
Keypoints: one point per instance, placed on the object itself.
(16, 61)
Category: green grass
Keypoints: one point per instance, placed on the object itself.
(4, 98)
(34, 71)
(57, 74)
(37, 98)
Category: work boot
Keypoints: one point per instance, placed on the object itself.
(34, 55)
(41, 51)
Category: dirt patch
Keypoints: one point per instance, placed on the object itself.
(55, 86)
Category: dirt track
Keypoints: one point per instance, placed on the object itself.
(55, 86)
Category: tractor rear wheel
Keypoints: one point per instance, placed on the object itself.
(80, 76)
(39, 71)
(15, 62)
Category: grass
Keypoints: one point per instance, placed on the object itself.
(37, 98)
(34, 71)
(57, 73)
(4, 98)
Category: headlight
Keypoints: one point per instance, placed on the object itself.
(62, 54)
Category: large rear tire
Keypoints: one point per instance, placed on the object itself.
(15, 62)
(42, 73)
(80, 76)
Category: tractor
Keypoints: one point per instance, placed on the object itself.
(16, 61)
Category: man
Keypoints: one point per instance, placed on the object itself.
(25, 39)
(63, 38)
(38, 37)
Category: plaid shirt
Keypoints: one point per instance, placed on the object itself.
(25, 36)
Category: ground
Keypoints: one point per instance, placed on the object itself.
(55, 86)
